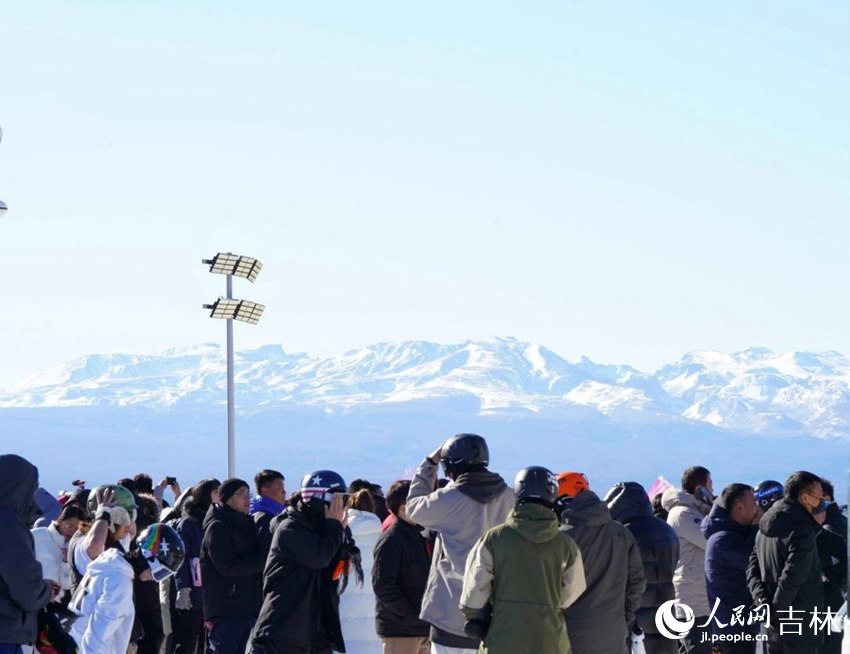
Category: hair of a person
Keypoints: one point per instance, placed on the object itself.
(359, 485)
(265, 477)
(733, 494)
(397, 495)
(294, 498)
(800, 482)
(129, 484)
(362, 501)
(828, 488)
(693, 477)
(657, 509)
(144, 483)
(71, 511)
(202, 492)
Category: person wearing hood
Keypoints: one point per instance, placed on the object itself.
(785, 569)
(520, 575)
(357, 604)
(269, 503)
(48, 508)
(600, 620)
(300, 613)
(659, 552)
(189, 631)
(23, 589)
(231, 569)
(104, 598)
(471, 504)
(686, 508)
(730, 531)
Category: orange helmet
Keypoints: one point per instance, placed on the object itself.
(572, 483)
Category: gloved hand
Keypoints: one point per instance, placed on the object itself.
(478, 626)
(184, 599)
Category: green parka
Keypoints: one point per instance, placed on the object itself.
(529, 572)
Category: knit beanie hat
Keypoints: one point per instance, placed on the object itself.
(229, 487)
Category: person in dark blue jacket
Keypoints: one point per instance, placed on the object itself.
(730, 530)
(659, 551)
(189, 630)
(23, 590)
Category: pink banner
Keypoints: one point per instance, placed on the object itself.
(659, 487)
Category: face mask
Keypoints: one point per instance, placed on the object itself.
(819, 508)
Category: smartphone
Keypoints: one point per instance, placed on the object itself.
(170, 480)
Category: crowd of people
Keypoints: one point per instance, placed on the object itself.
(454, 565)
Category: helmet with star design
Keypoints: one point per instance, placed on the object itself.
(322, 484)
(163, 549)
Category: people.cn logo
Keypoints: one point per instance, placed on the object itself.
(669, 625)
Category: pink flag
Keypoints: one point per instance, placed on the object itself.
(659, 487)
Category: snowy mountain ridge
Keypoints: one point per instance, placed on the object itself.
(755, 391)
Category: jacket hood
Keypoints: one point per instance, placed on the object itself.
(112, 561)
(18, 483)
(785, 517)
(586, 509)
(534, 522)
(627, 501)
(363, 523)
(718, 520)
(674, 497)
(482, 486)
(266, 505)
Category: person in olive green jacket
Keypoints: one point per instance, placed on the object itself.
(521, 574)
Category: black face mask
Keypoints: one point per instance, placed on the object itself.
(819, 508)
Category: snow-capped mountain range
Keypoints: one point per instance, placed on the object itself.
(754, 391)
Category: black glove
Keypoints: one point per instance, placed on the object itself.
(479, 624)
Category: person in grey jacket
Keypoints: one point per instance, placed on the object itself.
(23, 590)
(600, 619)
(687, 508)
(473, 502)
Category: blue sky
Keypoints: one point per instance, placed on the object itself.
(628, 181)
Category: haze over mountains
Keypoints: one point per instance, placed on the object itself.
(397, 394)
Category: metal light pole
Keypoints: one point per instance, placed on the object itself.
(230, 309)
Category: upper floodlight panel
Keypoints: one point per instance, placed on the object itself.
(225, 263)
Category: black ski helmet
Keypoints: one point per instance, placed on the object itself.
(163, 549)
(322, 484)
(768, 492)
(536, 484)
(463, 451)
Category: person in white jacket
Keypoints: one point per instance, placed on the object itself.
(51, 546)
(104, 598)
(357, 603)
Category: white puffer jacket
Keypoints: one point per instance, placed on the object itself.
(51, 550)
(357, 605)
(104, 600)
(685, 515)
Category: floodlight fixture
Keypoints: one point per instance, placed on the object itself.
(225, 263)
(231, 309)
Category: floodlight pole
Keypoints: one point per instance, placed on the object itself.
(231, 413)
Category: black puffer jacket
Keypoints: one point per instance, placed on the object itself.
(231, 565)
(301, 605)
(659, 552)
(23, 591)
(598, 622)
(785, 568)
(399, 577)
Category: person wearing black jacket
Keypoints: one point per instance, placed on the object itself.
(399, 578)
(833, 561)
(231, 569)
(835, 521)
(23, 590)
(784, 571)
(300, 612)
(659, 552)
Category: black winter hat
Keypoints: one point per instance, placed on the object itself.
(229, 487)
